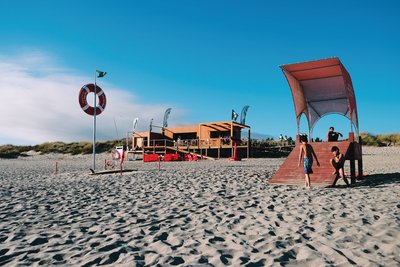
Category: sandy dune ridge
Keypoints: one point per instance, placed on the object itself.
(206, 213)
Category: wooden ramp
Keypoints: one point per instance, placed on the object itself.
(289, 173)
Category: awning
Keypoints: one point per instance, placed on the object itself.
(320, 88)
(223, 126)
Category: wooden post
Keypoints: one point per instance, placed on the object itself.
(360, 169)
(149, 140)
(353, 158)
(248, 144)
(360, 161)
(351, 136)
(199, 135)
(230, 141)
(121, 163)
(232, 128)
(353, 171)
(159, 165)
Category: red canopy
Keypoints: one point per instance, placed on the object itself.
(320, 88)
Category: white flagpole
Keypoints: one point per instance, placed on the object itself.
(94, 122)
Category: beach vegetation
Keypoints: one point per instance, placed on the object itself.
(369, 139)
(10, 151)
(75, 148)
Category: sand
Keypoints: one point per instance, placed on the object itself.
(205, 213)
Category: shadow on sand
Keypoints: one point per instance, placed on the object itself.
(374, 180)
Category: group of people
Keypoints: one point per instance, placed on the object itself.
(283, 140)
(307, 154)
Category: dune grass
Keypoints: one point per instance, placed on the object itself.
(380, 139)
(75, 148)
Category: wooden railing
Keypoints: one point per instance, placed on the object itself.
(195, 143)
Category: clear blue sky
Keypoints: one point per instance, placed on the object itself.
(201, 58)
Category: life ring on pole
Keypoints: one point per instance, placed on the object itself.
(85, 90)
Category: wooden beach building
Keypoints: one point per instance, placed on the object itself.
(209, 140)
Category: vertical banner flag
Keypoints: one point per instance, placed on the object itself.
(135, 122)
(243, 115)
(166, 114)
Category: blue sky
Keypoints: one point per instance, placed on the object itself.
(201, 58)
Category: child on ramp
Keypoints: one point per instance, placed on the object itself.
(337, 163)
(307, 153)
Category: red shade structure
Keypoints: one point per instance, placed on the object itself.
(320, 88)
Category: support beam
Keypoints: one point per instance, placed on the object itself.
(248, 144)
(353, 171)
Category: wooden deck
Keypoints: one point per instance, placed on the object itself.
(202, 148)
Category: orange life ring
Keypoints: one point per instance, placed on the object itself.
(85, 90)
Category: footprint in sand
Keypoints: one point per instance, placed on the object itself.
(225, 258)
(216, 239)
(38, 241)
(176, 261)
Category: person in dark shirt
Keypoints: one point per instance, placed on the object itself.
(333, 136)
(337, 163)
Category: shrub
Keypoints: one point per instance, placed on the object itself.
(380, 139)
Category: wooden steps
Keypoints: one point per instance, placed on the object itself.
(289, 173)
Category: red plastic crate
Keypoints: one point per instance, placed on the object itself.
(171, 157)
(150, 157)
(190, 157)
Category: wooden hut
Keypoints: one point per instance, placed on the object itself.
(209, 139)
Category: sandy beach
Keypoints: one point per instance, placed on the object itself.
(205, 213)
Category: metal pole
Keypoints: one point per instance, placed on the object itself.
(94, 123)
